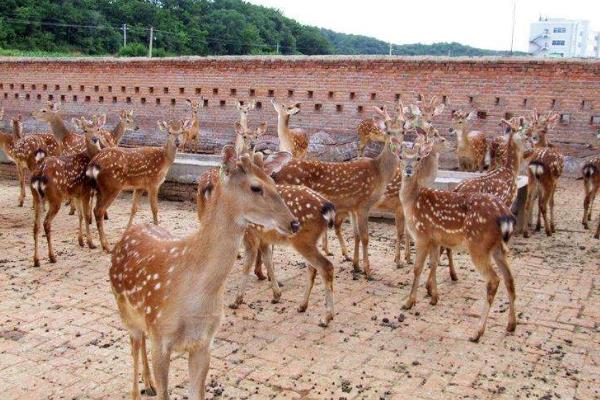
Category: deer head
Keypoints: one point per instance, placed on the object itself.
(285, 110)
(174, 130)
(47, 113)
(246, 138)
(541, 124)
(194, 104)
(429, 109)
(460, 120)
(17, 126)
(91, 129)
(245, 108)
(412, 158)
(126, 117)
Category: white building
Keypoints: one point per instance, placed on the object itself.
(558, 37)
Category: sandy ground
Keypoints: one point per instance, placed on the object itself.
(61, 337)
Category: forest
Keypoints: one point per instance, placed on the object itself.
(180, 27)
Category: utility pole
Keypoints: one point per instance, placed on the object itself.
(124, 35)
(390, 48)
(277, 49)
(151, 40)
(512, 37)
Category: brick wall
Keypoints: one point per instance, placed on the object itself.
(335, 92)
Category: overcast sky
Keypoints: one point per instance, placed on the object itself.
(480, 23)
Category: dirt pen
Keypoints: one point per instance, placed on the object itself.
(61, 337)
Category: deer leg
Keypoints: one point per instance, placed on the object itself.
(21, 175)
(137, 193)
(399, 217)
(597, 234)
(434, 256)
(267, 254)
(135, 350)
(363, 229)
(103, 201)
(500, 259)
(258, 267)
(161, 360)
(251, 250)
(531, 192)
(543, 202)
(591, 203)
(198, 363)
(356, 258)
(586, 205)
(422, 252)
(451, 269)
(311, 273)
(53, 208)
(77, 204)
(72, 208)
(340, 237)
(87, 213)
(36, 227)
(483, 264)
(325, 269)
(551, 203)
(147, 378)
(153, 195)
(407, 257)
(325, 244)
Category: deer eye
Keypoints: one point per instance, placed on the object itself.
(418, 158)
(256, 189)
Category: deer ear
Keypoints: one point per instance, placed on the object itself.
(471, 115)
(228, 159)
(553, 119)
(295, 109)
(101, 120)
(163, 126)
(123, 113)
(188, 101)
(258, 160)
(505, 124)
(276, 161)
(252, 104)
(415, 109)
(78, 123)
(187, 124)
(439, 109)
(378, 110)
(420, 131)
(238, 105)
(425, 149)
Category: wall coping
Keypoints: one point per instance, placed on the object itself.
(363, 59)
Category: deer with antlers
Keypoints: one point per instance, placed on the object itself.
(591, 184)
(192, 133)
(142, 169)
(315, 214)
(471, 145)
(435, 218)
(293, 140)
(60, 178)
(545, 167)
(171, 290)
(353, 187)
(371, 129)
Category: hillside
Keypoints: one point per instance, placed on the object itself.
(181, 27)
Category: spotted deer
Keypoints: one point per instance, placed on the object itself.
(353, 187)
(192, 133)
(471, 145)
(171, 290)
(126, 123)
(246, 138)
(244, 109)
(60, 178)
(9, 139)
(500, 182)
(293, 140)
(435, 218)
(314, 213)
(142, 169)
(545, 167)
(370, 129)
(591, 184)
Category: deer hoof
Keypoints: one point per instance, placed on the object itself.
(585, 225)
(36, 262)
(52, 258)
(149, 391)
(408, 305)
(81, 243)
(512, 325)
(347, 258)
(525, 234)
(235, 305)
(324, 322)
(434, 300)
(20, 204)
(92, 245)
(475, 339)
(453, 276)
(597, 236)
(302, 307)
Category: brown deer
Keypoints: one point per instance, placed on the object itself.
(126, 123)
(246, 138)
(545, 167)
(192, 133)
(60, 178)
(315, 214)
(172, 290)
(9, 139)
(141, 169)
(244, 109)
(591, 185)
(471, 145)
(293, 140)
(500, 182)
(370, 129)
(353, 187)
(435, 218)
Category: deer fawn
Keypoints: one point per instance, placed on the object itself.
(141, 169)
(545, 167)
(60, 178)
(171, 290)
(353, 187)
(192, 133)
(500, 182)
(293, 140)
(435, 218)
(471, 145)
(591, 184)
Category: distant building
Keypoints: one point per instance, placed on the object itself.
(558, 37)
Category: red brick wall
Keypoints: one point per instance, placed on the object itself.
(340, 85)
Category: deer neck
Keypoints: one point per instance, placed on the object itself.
(543, 142)
(244, 121)
(214, 247)
(409, 191)
(59, 130)
(7, 141)
(118, 132)
(513, 155)
(431, 164)
(170, 150)
(286, 142)
(386, 163)
(462, 138)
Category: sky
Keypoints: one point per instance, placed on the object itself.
(479, 23)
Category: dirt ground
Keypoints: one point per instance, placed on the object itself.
(61, 337)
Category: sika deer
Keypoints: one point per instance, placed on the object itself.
(371, 129)
(353, 187)
(591, 185)
(9, 139)
(545, 167)
(245, 138)
(500, 182)
(126, 123)
(171, 290)
(244, 109)
(60, 178)
(192, 133)
(141, 169)
(435, 218)
(293, 140)
(471, 145)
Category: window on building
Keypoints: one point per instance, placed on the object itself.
(559, 30)
(558, 43)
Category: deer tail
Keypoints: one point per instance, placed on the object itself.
(40, 154)
(38, 184)
(536, 169)
(506, 223)
(328, 213)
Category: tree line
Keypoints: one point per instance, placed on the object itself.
(181, 27)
